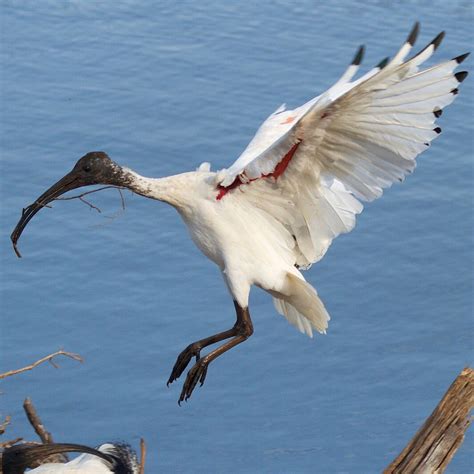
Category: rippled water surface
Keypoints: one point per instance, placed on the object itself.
(162, 87)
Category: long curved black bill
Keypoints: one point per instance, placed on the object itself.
(69, 182)
(17, 458)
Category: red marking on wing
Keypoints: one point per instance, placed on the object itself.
(223, 190)
(288, 120)
(277, 172)
(281, 167)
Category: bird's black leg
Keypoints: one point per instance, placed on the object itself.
(194, 350)
(241, 331)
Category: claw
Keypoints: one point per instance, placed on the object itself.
(182, 362)
(203, 375)
(196, 374)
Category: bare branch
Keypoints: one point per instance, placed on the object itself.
(48, 358)
(40, 430)
(5, 423)
(35, 422)
(122, 199)
(92, 206)
(87, 192)
(142, 456)
(10, 443)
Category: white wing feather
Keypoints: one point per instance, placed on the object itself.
(354, 140)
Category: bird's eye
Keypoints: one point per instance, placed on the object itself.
(86, 168)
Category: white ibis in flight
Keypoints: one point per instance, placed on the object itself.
(109, 458)
(296, 186)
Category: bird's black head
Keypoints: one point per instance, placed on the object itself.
(93, 168)
(97, 168)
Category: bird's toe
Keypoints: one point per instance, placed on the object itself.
(196, 374)
(183, 360)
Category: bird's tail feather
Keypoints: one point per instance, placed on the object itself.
(300, 304)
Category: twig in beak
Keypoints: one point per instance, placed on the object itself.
(81, 197)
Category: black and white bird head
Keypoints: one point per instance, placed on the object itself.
(108, 458)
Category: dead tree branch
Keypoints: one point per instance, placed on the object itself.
(436, 442)
(8, 444)
(4, 424)
(142, 456)
(44, 435)
(35, 422)
(48, 358)
(3, 427)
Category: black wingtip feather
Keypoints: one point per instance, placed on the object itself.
(461, 58)
(437, 130)
(455, 91)
(359, 55)
(437, 41)
(460, 76)
(413, 34)
(383, 63)
(437, 113)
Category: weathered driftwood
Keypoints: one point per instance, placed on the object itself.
(436, 442)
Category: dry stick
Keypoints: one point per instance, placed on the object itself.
(436, 442)
(40, 430)
(81, 197)
(49, 358)
(89, 204)
(122, 199)
(8, 444)
(35, 422)
(142, 456)
(122, 204)
(4, 424)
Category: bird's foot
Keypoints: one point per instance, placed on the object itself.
(197, 374)
(193, 350)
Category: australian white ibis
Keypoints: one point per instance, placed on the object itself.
(296, 186)
(108, 458)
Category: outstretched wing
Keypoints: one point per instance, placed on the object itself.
(348, 144)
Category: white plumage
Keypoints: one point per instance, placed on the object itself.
(108, 458)
(296, 186)
(354, 140)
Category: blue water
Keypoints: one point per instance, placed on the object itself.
(162, 87)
